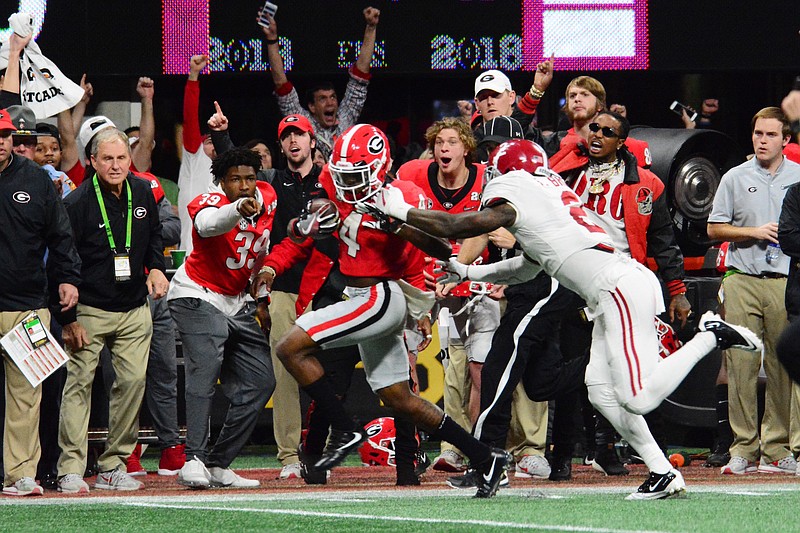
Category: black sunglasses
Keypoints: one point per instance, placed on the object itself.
(594, 127)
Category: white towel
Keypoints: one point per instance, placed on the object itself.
(43, 87)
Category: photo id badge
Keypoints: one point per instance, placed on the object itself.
(122, 267)
(35, 330)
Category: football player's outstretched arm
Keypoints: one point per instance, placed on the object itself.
(391, 202)
(432, 246)
(462, 225)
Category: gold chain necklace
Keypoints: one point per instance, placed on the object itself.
(601, 173)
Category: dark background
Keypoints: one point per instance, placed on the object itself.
(746, 54)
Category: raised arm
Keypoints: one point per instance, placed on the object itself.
(371, 16)
(192, 139)
(79, 110)
(16, 45)
(273, 52)
(142, 153)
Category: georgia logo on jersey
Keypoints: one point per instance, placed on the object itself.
(21, 197)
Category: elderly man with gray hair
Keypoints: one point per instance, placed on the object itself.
(118, 236)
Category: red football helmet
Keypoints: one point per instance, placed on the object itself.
(516, 154)
(378, 449)
(668, 341)
(359, 163)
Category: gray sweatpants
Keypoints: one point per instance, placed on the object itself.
(234, 350)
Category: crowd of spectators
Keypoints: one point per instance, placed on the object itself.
(87, 247)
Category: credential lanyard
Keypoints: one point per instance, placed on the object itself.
(129, 228)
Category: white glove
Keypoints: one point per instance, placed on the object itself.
(390, 201)
(451, 271)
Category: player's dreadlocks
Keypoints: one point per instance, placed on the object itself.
(234, 158)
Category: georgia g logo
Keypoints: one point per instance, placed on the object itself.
(139, 213)
(375, 145)
(21, 197)
(486, 77)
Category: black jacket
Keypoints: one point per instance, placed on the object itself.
(99, 288)
(32, 219)
(789, 237)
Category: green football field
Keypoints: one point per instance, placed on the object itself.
(708, 508)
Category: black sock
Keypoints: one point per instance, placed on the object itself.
(724, 432)
(330, 405)
(405, 443)
(451, 432)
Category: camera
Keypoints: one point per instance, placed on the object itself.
(678, 108)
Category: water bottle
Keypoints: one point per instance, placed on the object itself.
(773, 252)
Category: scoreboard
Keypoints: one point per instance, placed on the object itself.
(413, 36)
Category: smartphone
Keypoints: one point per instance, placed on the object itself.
(270, 8)
(35, 331)
(677, 108)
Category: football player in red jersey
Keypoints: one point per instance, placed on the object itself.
(216, 320)
(374, 255)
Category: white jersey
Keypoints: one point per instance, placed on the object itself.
(194, 179)
(552, 227)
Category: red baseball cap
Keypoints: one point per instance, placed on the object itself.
(5, 121)
(298, 121)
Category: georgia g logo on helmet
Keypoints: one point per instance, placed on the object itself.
(376, 145)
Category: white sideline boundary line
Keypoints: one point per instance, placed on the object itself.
(319, 514)
(222, 495)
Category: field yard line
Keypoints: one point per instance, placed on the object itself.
(489, 523)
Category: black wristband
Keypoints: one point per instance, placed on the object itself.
(270, 41)
(796, 127)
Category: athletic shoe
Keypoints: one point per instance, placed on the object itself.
(117, 480)
(311, 477)
(469, 480)
(588, 459)
(450, 461)
(49, 481)
(719, 457)
(729, 335)
(291, 471)
(491, 475)
(72, 484)
(421, 463)
(225, 477)
(406, 477)
(738, 466)
(172, 460)
(340, 444)
(134, 462)
(607, 462)
(23, 487)
(659, 486)
(561, 469)
(194, 474)
(535, 466)
(787, 465)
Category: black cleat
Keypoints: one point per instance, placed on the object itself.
(729, 335)
(407, 478)
(340, 444)
(492, 472)
(561, 469)
(469, 480)
(607, 462)
(719, 457)
(421, 463)
(659, 486)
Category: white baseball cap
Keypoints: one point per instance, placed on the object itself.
(92, 127)
(494, 80)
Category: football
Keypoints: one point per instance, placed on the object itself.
(327, 220)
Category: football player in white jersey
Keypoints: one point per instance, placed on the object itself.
(547, 219)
